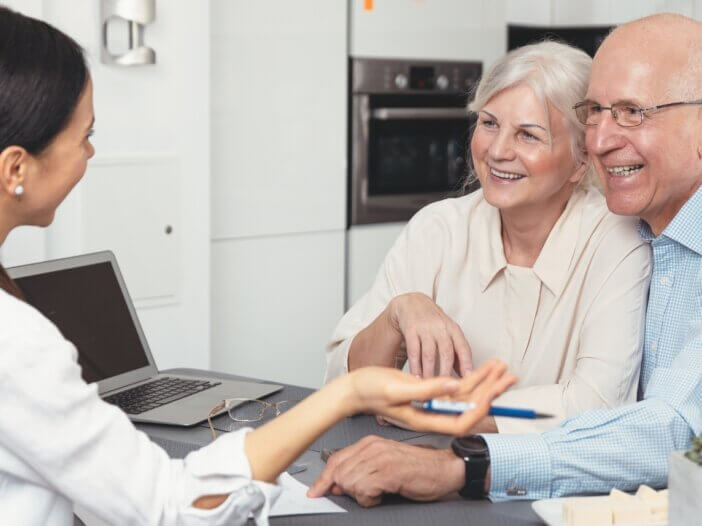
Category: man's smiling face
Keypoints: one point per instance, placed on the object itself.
(649, 170)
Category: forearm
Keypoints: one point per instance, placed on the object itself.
(591, 453)
(377, 344)
(452, 470)
(588, 387)
(275, 445)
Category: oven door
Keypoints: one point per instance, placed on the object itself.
(405, 157)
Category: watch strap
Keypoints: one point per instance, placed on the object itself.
(476, 466)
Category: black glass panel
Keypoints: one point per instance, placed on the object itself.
(417, 156)
(587, 38)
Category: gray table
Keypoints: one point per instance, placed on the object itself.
(394, 510)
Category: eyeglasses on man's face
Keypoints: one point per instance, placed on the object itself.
(624, 113)
(245, 410)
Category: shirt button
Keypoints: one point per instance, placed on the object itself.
(665, 281)
(654, 346)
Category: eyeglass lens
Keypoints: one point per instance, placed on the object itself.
(624, 114)
(252, 410)
(248, 410)
(244, 410)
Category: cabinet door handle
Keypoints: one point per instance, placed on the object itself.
(137, 14)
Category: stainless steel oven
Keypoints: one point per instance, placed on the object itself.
(409, 135)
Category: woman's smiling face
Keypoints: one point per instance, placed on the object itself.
(522, 157)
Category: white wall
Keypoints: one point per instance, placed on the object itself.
(367, 246)
(151, 170)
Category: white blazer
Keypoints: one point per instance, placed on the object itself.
(60, 444)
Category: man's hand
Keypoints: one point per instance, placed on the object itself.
(374, 466)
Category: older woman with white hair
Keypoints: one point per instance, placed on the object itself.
(532, 268)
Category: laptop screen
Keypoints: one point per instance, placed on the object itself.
(87, 305)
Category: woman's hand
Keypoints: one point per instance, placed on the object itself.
(429, 334)
(388, 392)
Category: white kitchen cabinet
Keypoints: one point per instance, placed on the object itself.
(443, 30)
(531, 12)
(279, 80)
(611, 12)
(683, 7)
(150, 253)
(278, 149)
(366, 250)
(593, 12)
(276, 300)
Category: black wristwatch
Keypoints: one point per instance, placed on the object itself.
(474, 452)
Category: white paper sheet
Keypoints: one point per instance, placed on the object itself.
(294, 501)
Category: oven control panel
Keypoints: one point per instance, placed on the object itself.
(413, 76)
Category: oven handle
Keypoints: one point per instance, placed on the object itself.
(386, 114)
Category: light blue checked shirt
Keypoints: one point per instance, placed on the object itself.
(627, 446)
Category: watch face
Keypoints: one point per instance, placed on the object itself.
(472, 445)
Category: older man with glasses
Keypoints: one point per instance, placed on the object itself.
(647, 152)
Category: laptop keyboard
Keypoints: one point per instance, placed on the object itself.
(151, 395)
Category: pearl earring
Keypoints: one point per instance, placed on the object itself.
(19, 190)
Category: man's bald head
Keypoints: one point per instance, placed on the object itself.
(670, 43)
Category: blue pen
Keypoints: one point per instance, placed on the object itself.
(456, 408)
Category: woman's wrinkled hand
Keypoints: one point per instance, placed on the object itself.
(429, 335)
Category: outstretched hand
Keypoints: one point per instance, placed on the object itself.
(389, 392)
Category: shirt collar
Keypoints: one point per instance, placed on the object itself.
(553, 264)
(645, 231)
(488, 235)
(686, 228)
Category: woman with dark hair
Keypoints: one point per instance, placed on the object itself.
(60, 444)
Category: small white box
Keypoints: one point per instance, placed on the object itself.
(685, 488)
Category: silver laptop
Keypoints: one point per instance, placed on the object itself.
(86, 298)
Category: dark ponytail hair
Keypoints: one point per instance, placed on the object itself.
(42, 76)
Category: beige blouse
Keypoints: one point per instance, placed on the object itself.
(571, 327)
